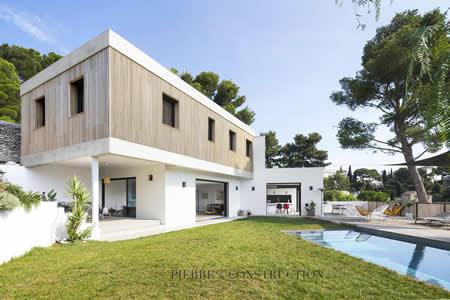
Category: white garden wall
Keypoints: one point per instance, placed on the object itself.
(328, 207)
(44, 178)
(21, 230)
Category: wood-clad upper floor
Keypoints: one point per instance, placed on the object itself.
(125, 100)
(137, 98)
(48, 122)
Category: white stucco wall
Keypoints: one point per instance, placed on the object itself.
(21, 230)
(255, 200)
(44, 178)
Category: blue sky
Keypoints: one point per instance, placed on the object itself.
(287, 56)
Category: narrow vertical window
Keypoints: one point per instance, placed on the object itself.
(39, 112)
(248, 148)
(77, 97)
(170, 111)
(211, 129)
(232, 138)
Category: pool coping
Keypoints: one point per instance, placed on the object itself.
(386, 234)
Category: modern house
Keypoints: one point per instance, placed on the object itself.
(146, 141)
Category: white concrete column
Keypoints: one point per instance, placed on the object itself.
(95, 191)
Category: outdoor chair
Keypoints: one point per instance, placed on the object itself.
(394, 210)
(377, 212)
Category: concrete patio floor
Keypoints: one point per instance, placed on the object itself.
(119, 229)
(399, 228)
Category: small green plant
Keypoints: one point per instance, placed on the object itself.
(80, 199)
(30, 199)
(51, 195)
(311, 208)
(8, 201)
(27, 199)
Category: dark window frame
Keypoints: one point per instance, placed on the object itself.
(77, 96)
(211, 129)
(174, 104)
(39, 108)
(248, 148)
(232, 140)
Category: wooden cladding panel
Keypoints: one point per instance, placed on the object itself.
(136, 116)
(60, 128)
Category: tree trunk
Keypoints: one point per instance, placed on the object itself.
(418, 183)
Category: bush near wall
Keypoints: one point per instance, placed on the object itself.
(335, 195)
(8, 201)
(442, 197)
(26, 199)
(373, 196)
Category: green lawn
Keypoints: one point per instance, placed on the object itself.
(144, 268)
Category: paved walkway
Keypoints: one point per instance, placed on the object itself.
(436, 236)
(125, 229)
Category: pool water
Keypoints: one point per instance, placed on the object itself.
(415, 260)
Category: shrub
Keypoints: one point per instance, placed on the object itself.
(334, 195)
(51, 195)
(343, 196)
(80, 198)
(8, 201)
(330, 195)
(27, 199)
(442, 197)
(373, 196)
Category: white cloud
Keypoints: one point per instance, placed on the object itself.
(30, 24)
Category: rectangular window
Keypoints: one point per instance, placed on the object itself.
(77, 97)
(232, 136)
(40, 112)
(248, 148)
(170, 111)
(211, 130)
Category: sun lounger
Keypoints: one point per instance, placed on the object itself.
(443, 218)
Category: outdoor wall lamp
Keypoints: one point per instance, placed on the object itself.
(253, 188)
(311, 187)
(183, 184)
(150, 177)
(237, 188)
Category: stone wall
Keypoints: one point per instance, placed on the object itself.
(9, 142)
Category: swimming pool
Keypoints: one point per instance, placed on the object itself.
(415, 260)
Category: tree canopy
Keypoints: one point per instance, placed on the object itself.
(303, 152)
(223, 92)
(337, 181)
(364, 172)
(28, 62)
(382, 85)
(273, 149)
(9, 92)
(18, 64)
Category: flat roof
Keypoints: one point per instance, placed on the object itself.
(111, 39)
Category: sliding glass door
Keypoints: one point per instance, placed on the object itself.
(131, 197)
